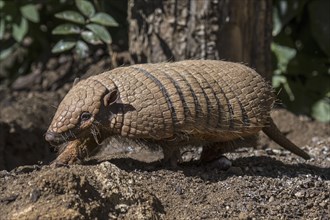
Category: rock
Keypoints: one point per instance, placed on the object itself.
(77, 192)
(243, 215)
(300, 194)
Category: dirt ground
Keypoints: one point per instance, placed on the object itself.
(266, 182)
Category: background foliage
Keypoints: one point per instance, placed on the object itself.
(301, 50)
(83, 26)
(32, 30)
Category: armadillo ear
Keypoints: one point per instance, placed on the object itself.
(111, 97)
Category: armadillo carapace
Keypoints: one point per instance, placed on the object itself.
(193, 102)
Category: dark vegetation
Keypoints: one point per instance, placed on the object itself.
(35, 31)
(301, 50)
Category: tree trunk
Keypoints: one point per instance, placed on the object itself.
(170, 30)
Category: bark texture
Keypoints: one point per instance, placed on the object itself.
(172, 30)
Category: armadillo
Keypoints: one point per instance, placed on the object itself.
(194, 102)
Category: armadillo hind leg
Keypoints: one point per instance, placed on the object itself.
(212, 155)
(213, 152)
(172, 156)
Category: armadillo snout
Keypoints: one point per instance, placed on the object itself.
(56, 139)
(50, 136)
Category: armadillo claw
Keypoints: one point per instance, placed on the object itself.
(76, 151)
(70, 155)
(222, 163)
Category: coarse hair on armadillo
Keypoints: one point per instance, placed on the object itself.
(204, 101)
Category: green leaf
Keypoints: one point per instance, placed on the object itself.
(101, 32)
(321, 110)
(90, 37)
(319, 23)
(2, 3)
(278, 80)
(85, 7)
(66, 29)
(2, 28)
(277, 24)
(6, 52)
(30, 12)
(284, 55)
(81, 49)
(104, 19)
(71, 16)
(9, 18)
(63, 45)
(287, 10)
(19, 31)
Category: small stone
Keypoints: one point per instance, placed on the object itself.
(315, 139)
(270, 151)
(277, 151)
(4, 173)
(300, 194)
(259, 153)
(322, 204)
(34, 195)
(122, 207)
(8, 199)
(271, 199)
(243, 215)
(178, 190)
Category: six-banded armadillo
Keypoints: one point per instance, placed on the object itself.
(195, 102)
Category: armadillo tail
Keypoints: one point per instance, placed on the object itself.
(274, 133)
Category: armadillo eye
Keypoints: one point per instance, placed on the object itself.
(85, 116)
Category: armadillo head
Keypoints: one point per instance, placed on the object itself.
(76, 116)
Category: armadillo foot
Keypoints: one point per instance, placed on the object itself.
(212, 155)
(70, 155)
(222, 163)
(75, 151)
(214, 151)
(172, 156)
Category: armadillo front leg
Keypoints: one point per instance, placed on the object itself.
(75, 151)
